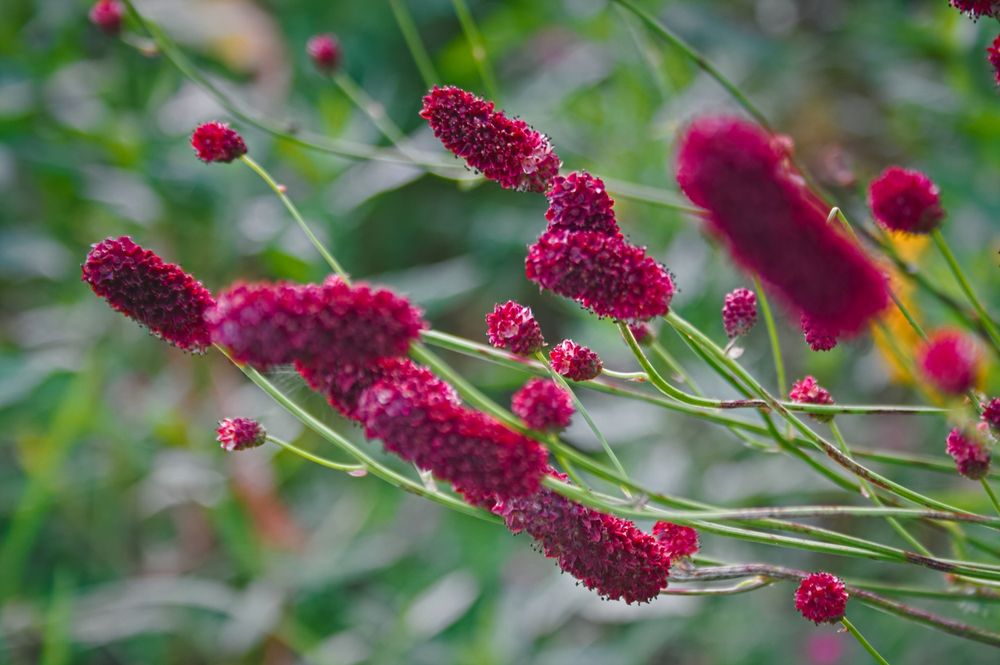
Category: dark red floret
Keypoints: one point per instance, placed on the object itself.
(817, 337)
(107, 15)
(680, 541)
(575, 362)
(991, 415)
(906, 201)
(950, 361)
(240, 434)
(971, 457)
(325, 52)
(604, 273)
(158, 295)
(579, 202)
(739, 312)
(775, 227)
(217, 142)
(503, 149)
(821, 598)
(808, 391)
(512, 326)
(543, 405)
(993, 55)
(976, 9)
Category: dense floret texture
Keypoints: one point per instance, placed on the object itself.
(680, 541)
(580, 202)
(236, 434)
(821, 598)
(574, 361)
(739, 312)
(543, 405)
(906, 201)
(217, 142)
(512, 326)
(971, 457)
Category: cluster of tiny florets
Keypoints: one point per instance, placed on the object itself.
(977, 8)
(503, 149)
(240, 434)
(217, 142)
(808, 391)
(950, 361)
(993, 55)
(107, 15)
(543, 405)
(574, 361)
(821, 598)
(905, 200)
(325, 52)
(991, 415)
(679, 541)
(158, 295)
(606, 553)
(318, 325)
(580, 202)
(817, 337)
(739, 312)
(775, 227)
(512, 326)
(971, 457)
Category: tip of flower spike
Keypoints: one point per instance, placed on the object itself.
(817, 337)
(575, 362)
(906, 201)
(991, 416)
(580, 202)
(821, 598)
(679, 541)
(739, 312)
(543, 405)
(325, 52)
(512, 326)
(950, 361)
(217, 142)
(976, 9)
(107, 15)
(235, 434)
(971, 457)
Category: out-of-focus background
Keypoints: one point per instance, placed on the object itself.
(128, 536)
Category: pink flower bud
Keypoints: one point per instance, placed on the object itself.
(107, 15)
(971, 457)
(216, 142)
(512, 326)
(821, 598)
(543, 405)
(240, 434)
(739, 312)
(575, 362)
(325, 52)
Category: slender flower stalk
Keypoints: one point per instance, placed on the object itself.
(956, 270)
(864, 642)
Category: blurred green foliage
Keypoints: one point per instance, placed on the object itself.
(129, 537)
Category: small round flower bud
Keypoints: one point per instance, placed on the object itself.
(991, 415)
(807, 391)
(739, 312)
(543, 405)
(993, 55)
(971, 457)
(513, 327)
(817, 337)
(325, 52)
(579, 202)
(575, 362)
(906, 201)
(679, 541)
(107, 15)
(240, 434)
(821, 598)
(217, 142)
(950, 361)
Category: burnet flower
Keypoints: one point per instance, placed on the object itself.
(949, 360)
(325, 52)
(513, 327)
(543, 405)
(906, 201)
(236, 434)
(739, 312)
(972, 459)
(574, 361)
(821, 598)
(107, 15)
(680, 541)
(217, 142)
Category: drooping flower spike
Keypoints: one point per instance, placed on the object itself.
(739, 312)
(971, 457)
(158, 295)
(107, 15)
(906, 201)
(240, 434)
(574, 361)
(503, 149)
(217, 142)
(817, 337)
(821, 598)
(950, 361)
(775, 227)
(543, 405)
(325, 52)
(580, 202)
(513, 327)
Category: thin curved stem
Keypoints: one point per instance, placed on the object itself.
(864, 643)
(413, 42)
(991, 494)
(316, 459)
(772, 334)
(956, 269)
(477, 48)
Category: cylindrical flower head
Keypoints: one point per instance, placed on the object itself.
(821, 598)
(543, 405)
(107, 15)
(775, 227)
(606, 553)
(503, 149)
(417, 418)
(971, 457)
(325, 52)
(240, 434)
(993, 55)
(977, 8)
(512, 326)
(575, 362)
(679, 541)
(319, 325)
(905, 200)
(158, 295)
(991, 415)
(604, 273)
(817, 337)
(217, 142)
(579, 202)
(950, 361)
(739, 312)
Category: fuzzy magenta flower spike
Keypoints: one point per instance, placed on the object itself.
(240, 434)
(976, 9)
(580, 202)
(680, 541)
(739, 312)
(543, 405)
(512, 326)
(950, 361)
(906, 201)
(574, 361)
(971, 457)
(821, 598)
(107, 15)
(817, 337)
(217, 142)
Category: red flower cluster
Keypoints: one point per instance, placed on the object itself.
(950, 361)
(318, 325)
(991, 415)
(579, 202)
(543, 405)
(158, 295)
(904, 200)
(606, 553)
(240, 434)
(512, 326)
(502, 149)
(817, 337)
(807, 391)
(977, 8)
(680, 541)
(417, 417)
(217, 142)
(107, 15)
(575, 362)
(604, 273)
(971, 457)
(325, 52)
(993, 54)
(821, 598)
(739, 312)
(774, 226)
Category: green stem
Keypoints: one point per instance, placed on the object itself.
(278, 190)
(373, 109)
(745, 586)
(413, 42)
(674, 365)
(772, 333)
(956, 270)
(991, 494)
(865, 643)
(477, 47)
(322, 461)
